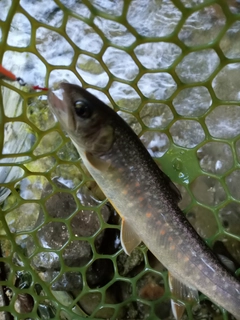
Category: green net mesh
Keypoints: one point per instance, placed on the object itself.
(171, 69)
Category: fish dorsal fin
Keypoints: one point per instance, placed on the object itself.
(226, 259)
(129, 239)
(182, 292)
(229, 264)
(96, 162)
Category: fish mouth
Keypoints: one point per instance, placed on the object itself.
(60, 107)
(56, 101)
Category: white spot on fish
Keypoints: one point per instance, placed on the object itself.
(237, 291)
(226, 285)
(180, 241)
(200, 267)
(130, 205)
(198, 277)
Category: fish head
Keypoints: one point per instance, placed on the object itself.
(86, 119)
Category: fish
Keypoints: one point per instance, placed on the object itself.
(144, 196)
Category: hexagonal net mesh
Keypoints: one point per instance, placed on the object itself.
(171, 69)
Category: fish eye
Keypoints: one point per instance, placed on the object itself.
(82, 109)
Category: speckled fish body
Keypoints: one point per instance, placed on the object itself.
(142, 195)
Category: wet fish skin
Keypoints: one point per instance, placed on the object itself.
(143, 195)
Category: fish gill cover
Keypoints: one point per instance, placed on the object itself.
(171, 69)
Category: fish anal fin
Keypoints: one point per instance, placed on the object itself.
(177, 309)
(182, 292)
(129, 238)
(96, 162)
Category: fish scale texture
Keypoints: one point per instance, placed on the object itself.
(171, 69)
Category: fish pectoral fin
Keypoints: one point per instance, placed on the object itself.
(129, 239)
(182, 292)
(96, 162)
